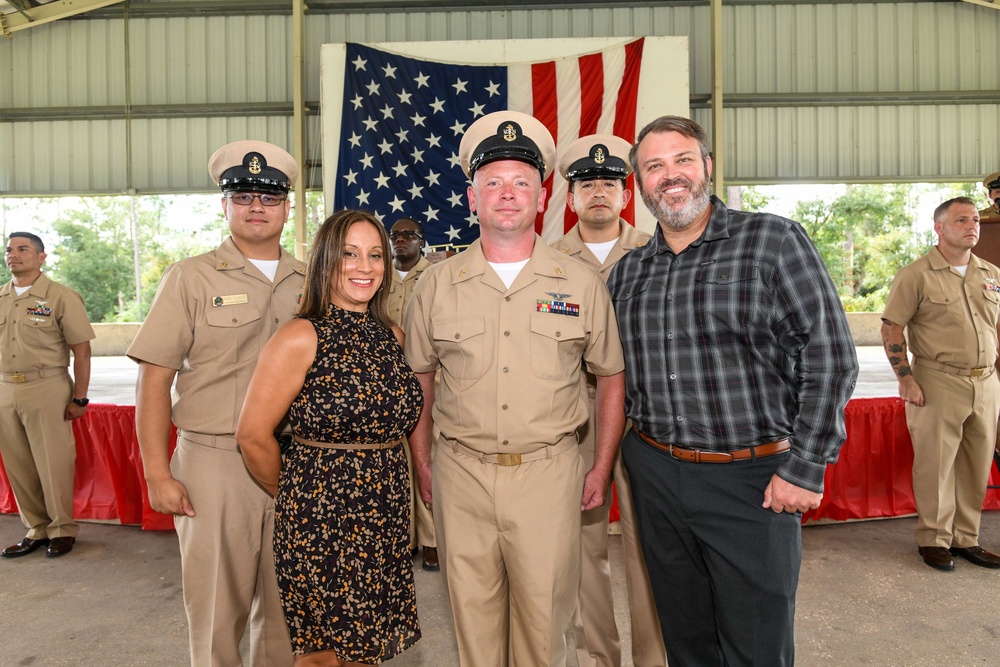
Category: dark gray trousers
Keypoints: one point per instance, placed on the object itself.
(723, 569)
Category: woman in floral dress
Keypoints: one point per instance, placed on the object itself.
(341, 535)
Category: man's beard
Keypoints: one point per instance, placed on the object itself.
(683, 218)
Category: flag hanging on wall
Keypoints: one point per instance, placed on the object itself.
(403, 119)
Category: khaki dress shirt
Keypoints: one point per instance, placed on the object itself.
(948, 318)
(400, 290)
(37, 328)
(629, 239)
(510, 359)
(210, 318)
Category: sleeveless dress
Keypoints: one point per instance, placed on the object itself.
(341, 529)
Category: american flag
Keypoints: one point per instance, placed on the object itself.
(403, 119)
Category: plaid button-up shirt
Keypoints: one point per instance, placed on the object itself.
(738, 340)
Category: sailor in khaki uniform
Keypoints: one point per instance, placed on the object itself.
(948, 302)
(596, 167)
(211, 316)
(41, 321)
(407, 239)
(992, 212)
(509, 323)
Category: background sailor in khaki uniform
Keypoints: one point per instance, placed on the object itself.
(211, 316)
(509, 322)
(407, 238)
(596, 167)
(992, 212)
(948, 301)
(40, 322)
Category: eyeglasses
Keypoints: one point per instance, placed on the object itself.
(246, 198)
(406, 236)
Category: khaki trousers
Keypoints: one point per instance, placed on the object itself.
(39, 454)
(594, 630)
(953, 435)
(421, 516)
(227, 562)
(509, 542)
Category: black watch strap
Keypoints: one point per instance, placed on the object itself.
(82, 402)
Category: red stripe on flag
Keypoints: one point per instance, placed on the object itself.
(625, 111)
(592, 93)
(545, 108)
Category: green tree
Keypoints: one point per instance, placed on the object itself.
(865, 236)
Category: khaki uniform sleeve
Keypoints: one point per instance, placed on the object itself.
(168, 331)
(604, 354)
(418, 347)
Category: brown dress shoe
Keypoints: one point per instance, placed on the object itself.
(431, 563)
(23, 548)
(60, 546)
(937, 557)
(977, 555)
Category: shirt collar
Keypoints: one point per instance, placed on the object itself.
(716, 230)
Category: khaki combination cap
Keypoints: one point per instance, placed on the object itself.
(253, 165)
(992, 182)
(596, 156)
(507, 135)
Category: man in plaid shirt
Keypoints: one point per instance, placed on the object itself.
(738, 362)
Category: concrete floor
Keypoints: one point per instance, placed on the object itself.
(865, 598)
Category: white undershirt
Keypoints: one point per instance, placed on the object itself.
(22, 290)
(268, 267)
(602, 250)
(508, 270)
(962, 269)
(402, 274)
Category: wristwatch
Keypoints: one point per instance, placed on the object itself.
(82, 402)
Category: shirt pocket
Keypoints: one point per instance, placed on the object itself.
(630, 305)
(992, 308)
(461, 347)
(232, 333)
(734, 294)
(557, 345)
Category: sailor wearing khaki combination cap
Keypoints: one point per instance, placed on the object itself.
(509, 322)
(210, 317)
(596, 167)
(992, 212)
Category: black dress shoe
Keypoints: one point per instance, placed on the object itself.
(937, 557)
(431, 559)
(60, 546)
(978, 556)
(23, 548)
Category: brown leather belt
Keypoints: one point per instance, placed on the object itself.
(31, 376)
(984, 371)
(700, 456)
(348, 445)
(509, 460)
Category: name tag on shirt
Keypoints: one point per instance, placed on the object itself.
(230, 300)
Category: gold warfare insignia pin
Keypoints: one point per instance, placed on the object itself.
(509, 133)
(254, 165)
(599, 155)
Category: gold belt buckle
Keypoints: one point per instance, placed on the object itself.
(976, 372)
(507, 460)
(18, 377)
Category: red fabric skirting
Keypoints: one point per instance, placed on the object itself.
(110, 484)
(871, 479)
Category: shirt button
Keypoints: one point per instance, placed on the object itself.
(503, 407)
(670, 297)
(558, 334)
(276, 320)
(235, 320)
(506, 333)
(679, 418)
(506, 369)
(505, 442)
(670, 336)
(673, 376)
(506, 298)
(457, 336)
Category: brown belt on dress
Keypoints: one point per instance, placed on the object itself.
(984, 371)
(348, 445)
(31, 376)
(700, 456)
(507, 460)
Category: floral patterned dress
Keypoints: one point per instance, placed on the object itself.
(341, 534)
